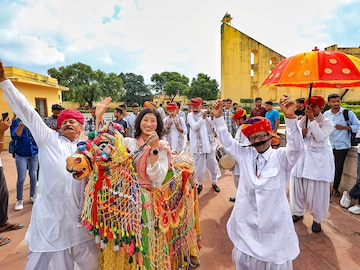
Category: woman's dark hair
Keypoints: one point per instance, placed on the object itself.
(140, 116)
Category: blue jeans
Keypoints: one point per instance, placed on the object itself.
(355, 191)
(22, 164)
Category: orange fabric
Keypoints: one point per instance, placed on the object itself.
(325, 69)
(149, 104)
(315, 100)
(238, 114)
(196, 102)
(255, 124)
(171, 106)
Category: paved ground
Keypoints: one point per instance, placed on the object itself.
(337, 247)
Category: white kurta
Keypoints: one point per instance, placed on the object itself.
(317, 162)
(53, 225)
(174, 137)
(260, 224)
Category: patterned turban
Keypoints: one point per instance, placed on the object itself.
(238, 114)
(171, 106)
(70, 114)
(196, 102)
(255, 124)
(149, 104)
(315, 100)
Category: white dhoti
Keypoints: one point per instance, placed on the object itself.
(203, 161)
(315, 194)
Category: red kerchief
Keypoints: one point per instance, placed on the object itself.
(255, 124)
(315, 100)
(196, 102)
(238, 114)
(149, 104)
(171, 106)
(70, 114)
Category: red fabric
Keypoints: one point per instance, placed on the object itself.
(149, 104)
(70, 114)
(255, 124)
(315, 100)
(171, 106)
(196, 102)
(238, 114)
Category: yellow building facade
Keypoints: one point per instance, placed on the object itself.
(245, 63)
(41, 91)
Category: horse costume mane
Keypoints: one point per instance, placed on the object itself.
(136, 227)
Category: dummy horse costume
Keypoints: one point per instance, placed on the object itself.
(136, 227)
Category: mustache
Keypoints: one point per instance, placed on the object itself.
(68, 127)
(259, 143)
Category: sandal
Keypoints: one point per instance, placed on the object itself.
(4, 240)
(297, 218)
(11, 227)
(335, 193)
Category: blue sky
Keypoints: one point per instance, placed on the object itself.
(152, 36)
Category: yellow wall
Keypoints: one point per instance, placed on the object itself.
(33, 86)
(242, 76)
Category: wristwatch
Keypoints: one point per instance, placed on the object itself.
(155, 152)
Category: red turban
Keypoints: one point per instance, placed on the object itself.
(149, 104)
(238, 114)
(315, 100)
(196, 102)
(171, 106)
(255, 124)
(70, 114)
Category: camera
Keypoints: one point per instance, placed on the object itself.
(5, 115)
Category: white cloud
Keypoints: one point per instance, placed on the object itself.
(148, 36)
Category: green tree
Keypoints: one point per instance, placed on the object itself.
(203, 86)
(170, 83)
(135, 88)
(85, 85)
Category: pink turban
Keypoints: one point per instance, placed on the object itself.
(315, 100)
(70, 114)
(196, 102)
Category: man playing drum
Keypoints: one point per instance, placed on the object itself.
(260, 225)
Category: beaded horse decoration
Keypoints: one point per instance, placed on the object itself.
(136, 227)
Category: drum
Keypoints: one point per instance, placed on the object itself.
(225, 161)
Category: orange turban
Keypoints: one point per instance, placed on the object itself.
(276, 140)
(149, 104)
(196, 102)
(255, 124)
(171, 106)
(315, 100)
(70, 114)
(238, 114)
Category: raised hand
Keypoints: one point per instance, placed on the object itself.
(217, 108)
(288, 106)
(2, 72)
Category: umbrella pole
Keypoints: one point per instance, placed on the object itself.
(309, 99)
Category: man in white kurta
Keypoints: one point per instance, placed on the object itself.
(175, 128)
(202, 145)
(54, 237)
(311, 177)
(260, 225)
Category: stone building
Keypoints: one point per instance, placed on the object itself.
(245, 63)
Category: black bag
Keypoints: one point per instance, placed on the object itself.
(353, 140)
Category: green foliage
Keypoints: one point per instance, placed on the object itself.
(135, 89)
(247, 100)
(86, 85)
(203, 86)
(169, 83)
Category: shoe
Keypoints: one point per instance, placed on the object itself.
(355, 209)
(232, 199)
(216, 188)
(32, 199)
(316, 227)
(200, 188)
(335, 193)
(19, 205)
(345, 201)
(296, 218)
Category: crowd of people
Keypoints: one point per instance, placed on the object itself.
(261, 225)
